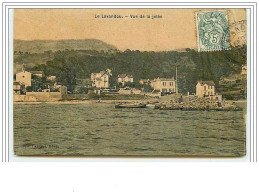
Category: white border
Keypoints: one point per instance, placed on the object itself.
(8, 112)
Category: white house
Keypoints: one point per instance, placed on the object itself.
(101, 79)
(24, 78)
(205, 88)
(17, 88)
(164, 84)
(51, 78)
(124, 78)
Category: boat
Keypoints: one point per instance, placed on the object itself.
(152, 106)
(130, 105)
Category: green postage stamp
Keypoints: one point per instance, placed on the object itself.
(212, 30)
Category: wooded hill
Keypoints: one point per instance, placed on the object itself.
(68, 65)
(40, 46)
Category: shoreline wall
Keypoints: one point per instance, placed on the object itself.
(38, 96)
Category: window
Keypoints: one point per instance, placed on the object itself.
(204, 88)
(164, 83)
(171, 83)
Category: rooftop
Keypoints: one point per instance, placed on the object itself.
(102, 73)
(124, 75)
(163, 79)
(16, 83)
(210, 83)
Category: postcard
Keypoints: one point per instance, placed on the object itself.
(130, 82)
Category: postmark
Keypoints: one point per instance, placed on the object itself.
(238, 33)
(212, 30)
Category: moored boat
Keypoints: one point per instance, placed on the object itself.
(152, 106)
(130, 105)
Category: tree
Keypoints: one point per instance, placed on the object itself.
(147, 88)
(129, 84)
(192, 65)
(29, 89)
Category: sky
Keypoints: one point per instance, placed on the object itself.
(175, 30)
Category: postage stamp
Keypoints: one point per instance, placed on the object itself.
(212, 30)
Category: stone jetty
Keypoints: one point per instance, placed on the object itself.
(192, 103)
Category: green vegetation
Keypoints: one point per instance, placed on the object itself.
(69, 65)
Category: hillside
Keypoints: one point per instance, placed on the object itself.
(39, 46)
(192, 65)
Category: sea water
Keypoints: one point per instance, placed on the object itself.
(100, 129)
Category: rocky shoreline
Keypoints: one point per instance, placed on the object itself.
(232, 108)
(155, 104)
(194, 103)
